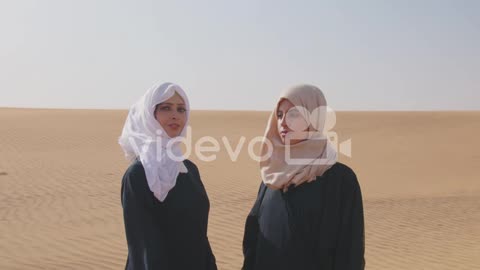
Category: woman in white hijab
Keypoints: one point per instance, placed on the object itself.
(165, 205)
(308, 213)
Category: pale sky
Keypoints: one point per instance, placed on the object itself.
(239, 55)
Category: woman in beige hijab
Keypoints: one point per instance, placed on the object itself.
(308, 213)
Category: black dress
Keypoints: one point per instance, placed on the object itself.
(317, 225)
(168, 235)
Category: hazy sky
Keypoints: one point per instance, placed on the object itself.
(364, 55)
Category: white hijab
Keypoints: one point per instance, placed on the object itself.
(144, 138)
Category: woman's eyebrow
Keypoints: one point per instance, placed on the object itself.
(168, 103)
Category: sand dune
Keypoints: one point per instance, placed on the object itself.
(60, 177)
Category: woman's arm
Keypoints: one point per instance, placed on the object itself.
(351, 238)
(211, 261)
(145, 240)
(251, 232)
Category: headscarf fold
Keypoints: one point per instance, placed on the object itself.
(295, 164)
(144, 138)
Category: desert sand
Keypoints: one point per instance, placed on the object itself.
(61, 170)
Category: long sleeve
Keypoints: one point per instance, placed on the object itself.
(251, 232)
(211, 261)
(351, 239)
(249, 242)
(145, 241)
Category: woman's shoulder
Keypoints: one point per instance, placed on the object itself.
(341, 169)
(135, 178)
(135, 169)
(190, 165)
(343, 174)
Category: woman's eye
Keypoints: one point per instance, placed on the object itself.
(166, 108)
(181, 110)
(279, 116)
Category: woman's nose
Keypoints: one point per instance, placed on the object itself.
(284, 121)
(174, 115)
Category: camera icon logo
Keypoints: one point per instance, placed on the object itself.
(322, 121)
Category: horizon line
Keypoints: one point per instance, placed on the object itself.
(237, 110)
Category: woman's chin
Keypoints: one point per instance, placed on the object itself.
(172, 134)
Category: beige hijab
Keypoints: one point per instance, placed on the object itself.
(295, 164)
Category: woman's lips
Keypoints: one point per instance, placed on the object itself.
(174, 126)
(283, 133)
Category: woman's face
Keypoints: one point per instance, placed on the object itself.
(290, 122)
(172, 115)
